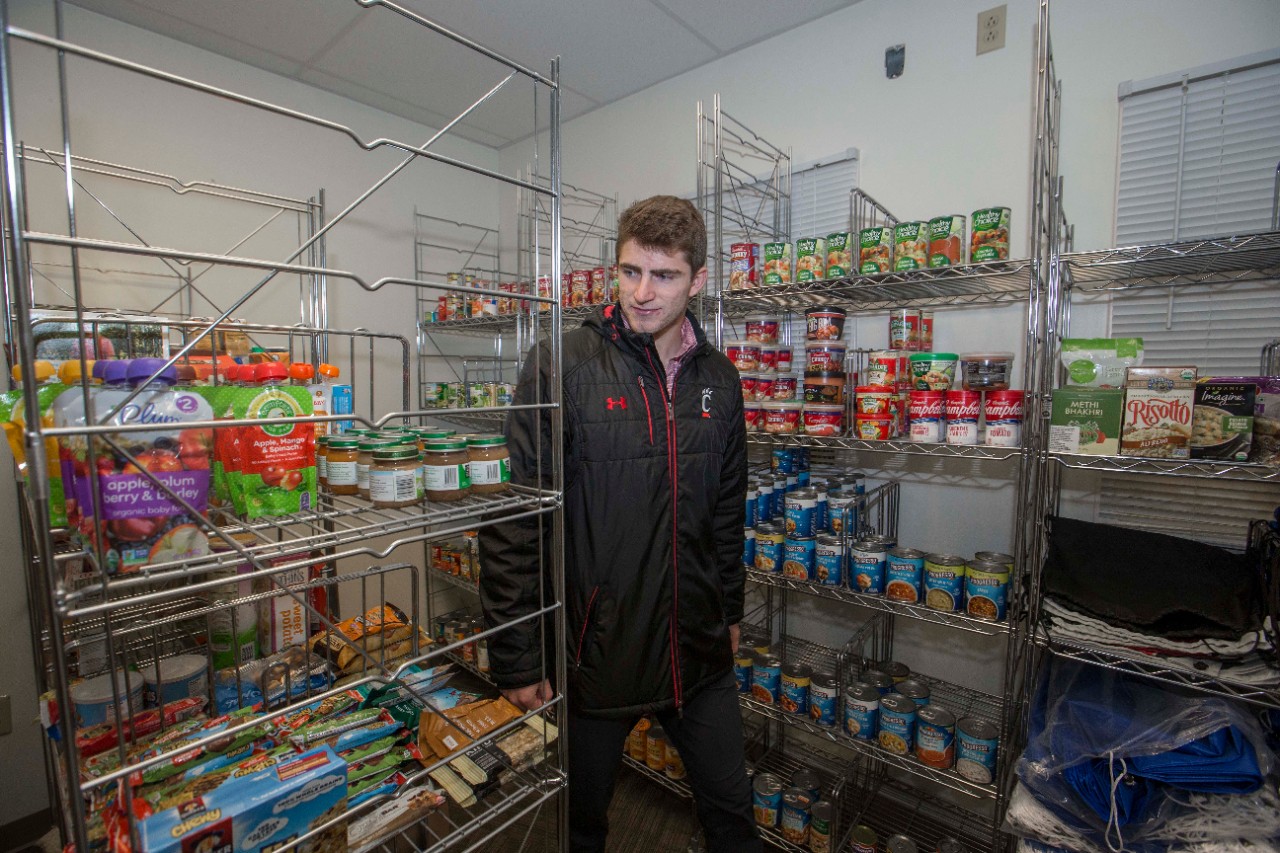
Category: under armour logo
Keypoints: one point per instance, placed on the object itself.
(706, 402)
(621, 402)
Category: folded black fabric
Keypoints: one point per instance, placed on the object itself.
(1152, 583)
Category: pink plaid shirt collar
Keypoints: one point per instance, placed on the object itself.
(688, 342)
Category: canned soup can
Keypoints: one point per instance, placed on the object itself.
(868, 567)
(989, 235)
(766, 799)
(799, 557)
(977, 748)
(986, 591)
(936, 737)
(795, 815)
(875, 250)
(946, 241)
(944, 582)
(910, 246)
(897, 724)
(769, 548)
(824, 696)
(829, 560)
(766, 679)
(839, 254)
(861, 711)
(743, 661)
(796, 678)
(904, 571)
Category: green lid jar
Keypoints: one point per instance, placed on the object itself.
(444, 470)
(489, 463)
(364, 461)
(395, 477)
(342, 455)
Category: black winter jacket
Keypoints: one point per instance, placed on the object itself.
(654, 490)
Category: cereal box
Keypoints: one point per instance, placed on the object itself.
(260, 811)
(777, 263)
(811, 259)
(1086, 420)
(1222, 423)
(1157, 412)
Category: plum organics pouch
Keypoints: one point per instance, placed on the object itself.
(141, 524)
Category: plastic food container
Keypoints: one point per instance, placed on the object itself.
(784, 387)
(178, 677)
(986, 371)
(753, 415)
(745, 355)
(824, 357)
(781, 417)
(933, 371)
(823, 419)
(824, 324)
(762, 328)
(824, 388)
(92, 698)
(874, 427)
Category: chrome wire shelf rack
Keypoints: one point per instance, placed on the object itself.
(1248, 257)
(1196, 468)
(840, 442)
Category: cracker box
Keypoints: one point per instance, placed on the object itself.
(1222, 423)
(1158, 403)
(258, 812)
(1086, 420)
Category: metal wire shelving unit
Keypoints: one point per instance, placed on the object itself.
(80, 602)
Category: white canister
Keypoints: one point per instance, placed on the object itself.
(93, 701)
(178, 677)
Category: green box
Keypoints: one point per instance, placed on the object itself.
(1086, 420)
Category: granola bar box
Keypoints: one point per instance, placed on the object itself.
(259, 811)
(1222, 423)
(1158, 403)
(1086, 420)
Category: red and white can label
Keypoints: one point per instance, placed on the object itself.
(1003, 411)
(963, 408)
(926, 409)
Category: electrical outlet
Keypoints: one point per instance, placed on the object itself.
(991, 29)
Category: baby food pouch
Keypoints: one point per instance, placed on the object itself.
(226, 441)
(45, 385)
(140, 523)
(277, 462)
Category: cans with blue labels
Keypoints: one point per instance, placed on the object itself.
(820, 509)
(861, 711)
(915, 690)
(749, 547)
(766, 799)
(753, 497)
(808, 781)
(800, 511)
(766, 679)
(829, 560)
(783, 460)
(986, 590)
(781, 485)
(897, 724)
(867, 567)
(769, 551)
(795, 815)
(742, 663)
(764, 501)
(799, 559)
(795, 688)
(944, 582)
(977, 748)
(842, 512)
(879, 679)
(936, 737)
(856, 480)
(904, 571)
(824, 696)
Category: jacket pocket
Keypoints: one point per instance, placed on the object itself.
(586, 624)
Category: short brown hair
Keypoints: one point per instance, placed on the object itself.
(667, 223)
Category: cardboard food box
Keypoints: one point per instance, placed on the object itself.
(1086, 420)
(1158, 402)
(259, 811)
(1222, 423)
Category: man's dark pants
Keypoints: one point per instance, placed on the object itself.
(709, 737)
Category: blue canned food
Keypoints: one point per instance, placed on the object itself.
(784, 460)
(769, 548)
(742, 664)
(861, 711)
(936, 737)
(795, 815)
(766, 799)
(867, 567)
(829, 560)
(801, 508)
(842, 513)
(977, 748)
(897, 724)
(944, 582)
(799, 559)
(824, 693)
(796, 678)
(986, 590)
(820, 521)
(766, 679)
(764, 501)
(904, 571)
(748, 547)
(753, 504)
(802, 477)
(802, 458)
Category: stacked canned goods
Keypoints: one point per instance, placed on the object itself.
(937, 242)
(649, 744)
(795, 807)
(978, 587)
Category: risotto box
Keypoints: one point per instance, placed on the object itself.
(1086, 420)
(258, 812)
(1222, 423)
(1158, 403)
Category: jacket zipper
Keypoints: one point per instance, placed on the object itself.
(669, 405)
(648, 412)
(586, 620)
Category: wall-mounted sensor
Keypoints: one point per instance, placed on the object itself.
(894, 58)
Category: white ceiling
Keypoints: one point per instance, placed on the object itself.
(609, 48)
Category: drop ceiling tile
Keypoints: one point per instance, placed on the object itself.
(739, 23)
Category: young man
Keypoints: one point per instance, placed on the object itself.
(654, 486)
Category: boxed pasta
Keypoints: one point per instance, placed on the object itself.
(259, 811)
(1222, 424)
(1158, 403)
(1086, 420)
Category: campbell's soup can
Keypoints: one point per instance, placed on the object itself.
(882, 368)
(764, 386)
(926, 410)
(745, 355)
(963, 408)
(744, 266)
(768, 357)
(910, 246)
(904, 329)
(1003, 411)
(989, 235)
(875, 249)
(946, 241)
